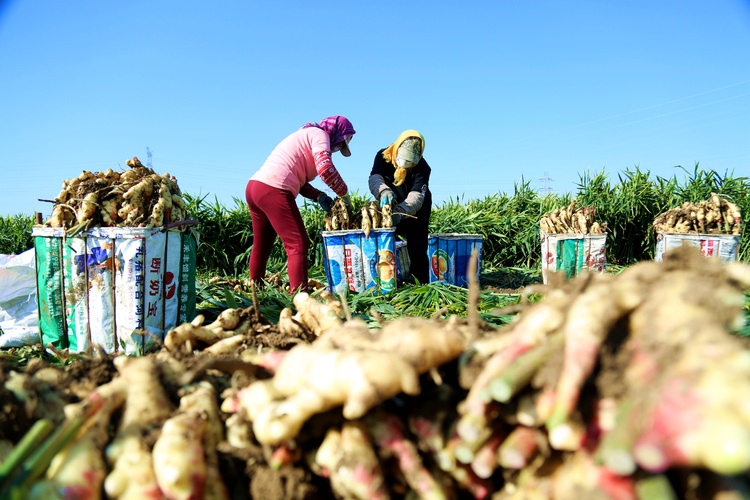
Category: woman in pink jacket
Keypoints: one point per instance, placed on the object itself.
(287, 172)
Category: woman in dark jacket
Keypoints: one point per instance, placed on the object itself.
(400, 177)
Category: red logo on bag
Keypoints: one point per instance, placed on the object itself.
(550, 258)
(708, 247)
(169, 284)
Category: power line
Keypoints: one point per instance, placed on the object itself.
(546, 183)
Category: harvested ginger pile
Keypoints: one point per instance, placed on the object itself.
(368, 218)
(716, 215)
(572, 219)
(626, 386)
(138, 197)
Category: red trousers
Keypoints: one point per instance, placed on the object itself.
(274, 212)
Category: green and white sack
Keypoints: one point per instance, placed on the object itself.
(120, 288)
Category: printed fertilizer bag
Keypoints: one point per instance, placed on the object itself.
(369, 261)
(119, 288)
(403, 262)
(449, 256)
(355, 262)
(572, 253)
(75, 289)
(179, 283)
(725, 247)
(129, 294)
(386, 267)
(333, 252)
(100, 262)
(154, 293)
(49, 276)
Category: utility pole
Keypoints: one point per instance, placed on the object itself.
(546, 183)
(148, 157)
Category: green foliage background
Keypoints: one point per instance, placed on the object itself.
(507, 222)
(15, 233)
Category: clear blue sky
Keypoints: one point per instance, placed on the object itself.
(501, 90)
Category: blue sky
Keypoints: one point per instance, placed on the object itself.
(502, 90)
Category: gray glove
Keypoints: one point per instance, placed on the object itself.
(325, 202)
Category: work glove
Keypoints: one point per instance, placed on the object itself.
(325, 202)
(348, 203)
(387, 198)
(396, 216)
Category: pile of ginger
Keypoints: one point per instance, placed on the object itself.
(136, 197)
(628, 385)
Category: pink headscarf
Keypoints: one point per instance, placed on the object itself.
(338, 128)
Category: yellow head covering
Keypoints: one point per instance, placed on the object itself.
(390, 153)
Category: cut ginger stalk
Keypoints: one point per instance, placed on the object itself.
(531, 329)
(79, 470)
(389, 434)
(347, 457)
(519, 448)
(590, 318)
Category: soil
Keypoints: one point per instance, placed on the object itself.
(14, 421)
(245, 472)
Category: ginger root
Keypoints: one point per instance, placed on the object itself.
(146, 408)
(348, 458)
(179, 462)
(189, 336)
(346, 366)
(316, 316)
(312, 380)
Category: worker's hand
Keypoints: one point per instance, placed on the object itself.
(348, 202)
(325, 202)
(386, 198)
(396, 216)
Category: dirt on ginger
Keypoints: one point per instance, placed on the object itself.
(629, 385)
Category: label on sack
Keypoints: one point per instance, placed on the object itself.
(722, 246)
(572, 253)
(119, 288)
(355, 262)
